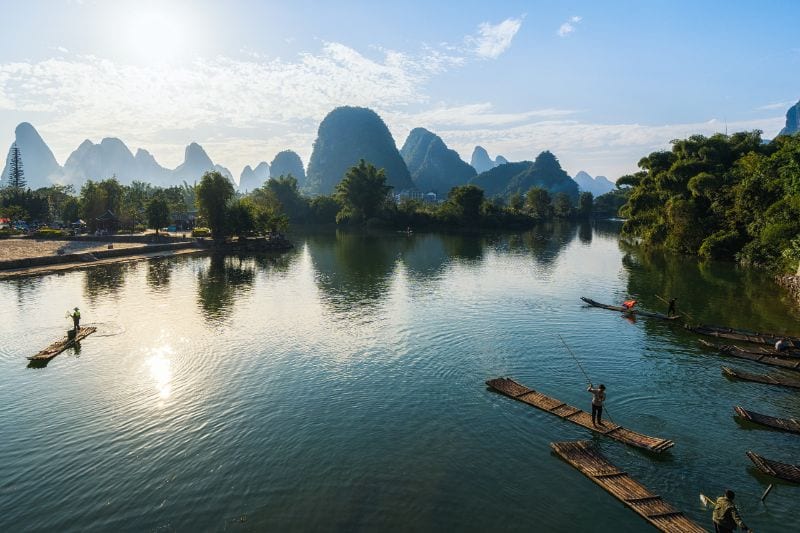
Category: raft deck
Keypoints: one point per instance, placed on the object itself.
(61, 345)
(762, 378)
(631, 312)
(775, 468)
(735, 351)
(785, 424)
(511, 388)
(591, 463)
(744, 335)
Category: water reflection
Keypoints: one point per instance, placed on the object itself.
(158, 273)
(105, 280)
(24, 288)
(219, 283)
(159, 367)
(585, 232)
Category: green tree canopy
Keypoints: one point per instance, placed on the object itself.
(213, 194)
(157, 211)
(361, 193)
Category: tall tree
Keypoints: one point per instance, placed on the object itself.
(585, 204)
(538, 203)
(362, 192)
(562, 207)
(468, 200)
(157, 212)
(16, 174)
(213, 194)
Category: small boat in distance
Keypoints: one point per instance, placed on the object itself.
(785, 424)
(744, 335)
(735, 351)
(777, 469)
(625, 311)
(61, 345)
(762, 378)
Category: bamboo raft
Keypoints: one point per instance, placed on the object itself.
(743, 335)
(632, 312)
(61, 345)
(775, 468)
(735, 351)
(761, 378)
(785, 424)
(756, 350)
(591, 463)
(511, 388)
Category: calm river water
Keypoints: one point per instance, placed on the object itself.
(341, 387)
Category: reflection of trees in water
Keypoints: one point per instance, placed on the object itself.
(280, 263)
(158, 273)
(24, 287)
(607, 228)
(219, 283)
(711, 292)
(585, 232)
(547, 240)
(104, 280)
(353, 268)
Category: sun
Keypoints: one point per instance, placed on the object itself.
(154, 35)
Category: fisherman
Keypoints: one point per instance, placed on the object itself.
(598, 397)
(628, 304)
(782, 345)
(76, 319)
(726, 516)
(671, 310)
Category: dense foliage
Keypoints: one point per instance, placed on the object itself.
(727, 197)
(346, 135)
(519, 177)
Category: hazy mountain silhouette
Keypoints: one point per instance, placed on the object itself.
(251, 179)
(346, 135)
(481, 161)
(598, 185)
(433, 166)
(288, 162)
(38, 162)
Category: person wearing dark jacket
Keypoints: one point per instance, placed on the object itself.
(726, 516)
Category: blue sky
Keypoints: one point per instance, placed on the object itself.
(601, 84)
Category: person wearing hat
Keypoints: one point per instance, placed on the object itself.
(76, 319)
(598, 397)
(725, 516)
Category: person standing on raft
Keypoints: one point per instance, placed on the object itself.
(76, 319)
(628, 304)
(671, 310)
(598, 397)
(726, 516)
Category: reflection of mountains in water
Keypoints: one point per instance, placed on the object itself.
(355, 268)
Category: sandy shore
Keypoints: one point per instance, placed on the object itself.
(25, 248)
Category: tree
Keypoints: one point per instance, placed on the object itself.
(70, 211)
(537, 202)
(286, 192)
(468, 200)
(13, 213)
(362, 192)
(241, 219)
(562, 207)
(213, 194)
(157, 212)
(516, 202)
(16, 175)
(585, 204)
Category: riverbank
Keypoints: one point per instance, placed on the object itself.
(791, 283)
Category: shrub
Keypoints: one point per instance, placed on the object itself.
(201, 232)
(49, 232)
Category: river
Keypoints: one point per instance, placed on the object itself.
(340, 387)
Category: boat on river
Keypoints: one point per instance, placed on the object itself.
(777, 469)
(592, 464)
(735, 351)
(632, 312)
(783, 381)
(744, 335)
(785, 424)
(512, 389)
(61, 345)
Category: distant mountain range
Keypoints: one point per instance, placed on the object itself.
(111, 157)
(792, 120)
(518, 177)
(598, 185)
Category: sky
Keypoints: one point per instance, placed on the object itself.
(599, 83)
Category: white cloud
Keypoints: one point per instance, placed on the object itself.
(493, 40)
(569, 26)
(776, 105)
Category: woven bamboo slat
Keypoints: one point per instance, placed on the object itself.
(61, 345)
(591, 463)
(511, 388)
